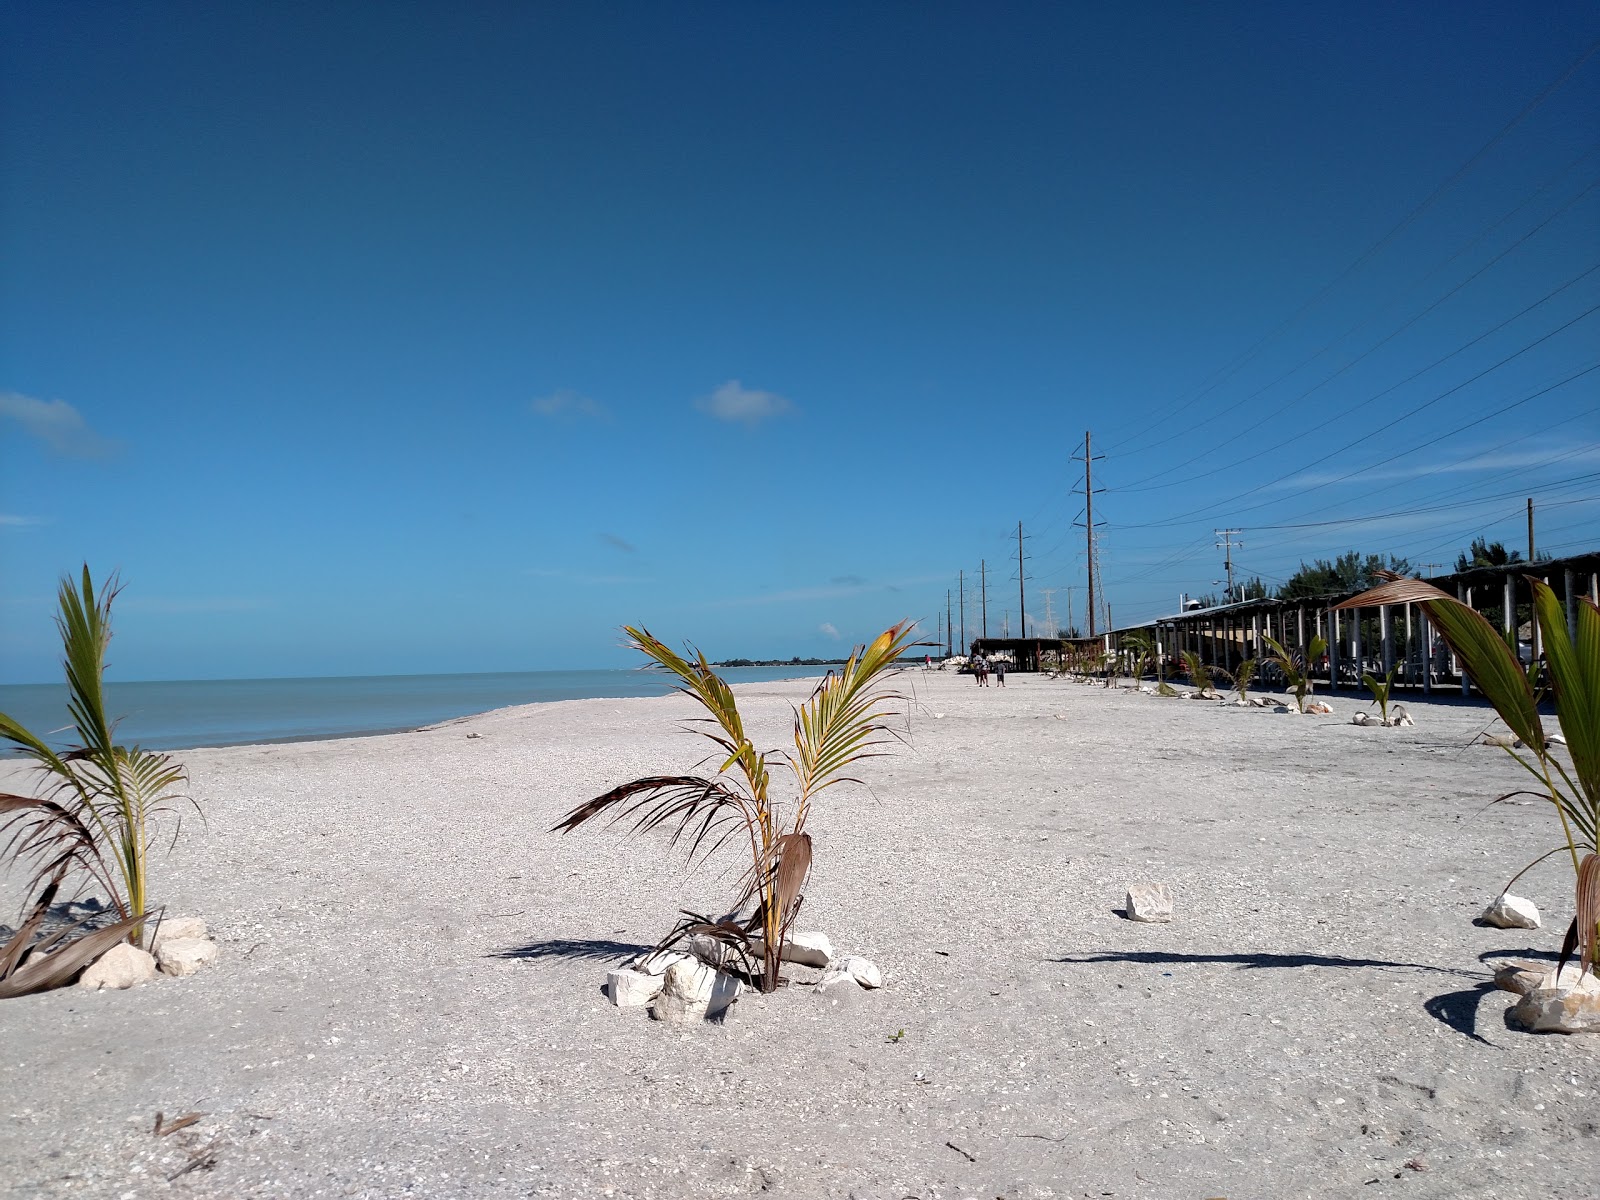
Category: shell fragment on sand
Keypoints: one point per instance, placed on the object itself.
(1149, 902)
(122, 966)
(1512, 912)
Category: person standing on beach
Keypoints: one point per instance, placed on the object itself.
(1000, 672)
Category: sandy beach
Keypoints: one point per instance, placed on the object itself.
(408, 1000)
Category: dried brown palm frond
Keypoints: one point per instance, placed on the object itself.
(34, 962)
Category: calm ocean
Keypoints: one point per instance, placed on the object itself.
(228, 712)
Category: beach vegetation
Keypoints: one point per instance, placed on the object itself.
(1241, 678)
(843, 722)
(99, 801)
(1572, 678)
(1296, 667)
(1380, 690)
(1199, 674)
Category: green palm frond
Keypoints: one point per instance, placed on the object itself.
(842, 722)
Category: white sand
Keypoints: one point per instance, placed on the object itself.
(388, 1017)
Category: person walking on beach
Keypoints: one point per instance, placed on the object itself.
(1000, 672)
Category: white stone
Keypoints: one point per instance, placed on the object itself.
(1149, 902)
(712, 951)
(808, 950)
(657, 961)
(1320, 707)
(1399, 717)
(184, 956)
(1512, 912)
(1570, 1004)
(863, 970)
(628, 988)
(174, 927)
(691, 991)
(1362, 718)
(122, 966)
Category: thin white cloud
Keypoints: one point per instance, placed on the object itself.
(746, 406)
(566, 404)
(9, 521)
(827, 628)
(830, 592)
(1487, 461)
(57, 424)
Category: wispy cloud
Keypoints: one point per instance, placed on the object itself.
(57, 424)
(9, 521)
(584, 577)
(832, 591)
(746, 406)
(614, 541)
(827, 629)
(847, 581)
(1489, 460)
(566, 404)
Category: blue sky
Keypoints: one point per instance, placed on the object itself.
(387, 339)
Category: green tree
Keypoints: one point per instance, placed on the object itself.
(1349, 572)
(1486, 554)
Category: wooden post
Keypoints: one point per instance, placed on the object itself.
(1464, 594)
(1567, 581)
(1386, 636)
(1411, 647)
(1355, 646)
(1427, 653)
(1301, 623)
(1333, 650)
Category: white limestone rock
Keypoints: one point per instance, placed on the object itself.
(1570, 1004)
(656, 962)
(1362, 718)
(1399, 717)
(122, 966)
(863, 970)
(808, 950)
(627, 987)
(174, 927)
(1320, 707)
(1149, 902)
(184, 955)
(691, 992)
(1512, 912)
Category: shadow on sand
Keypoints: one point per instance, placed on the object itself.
(580, 948)
(1458, 1010)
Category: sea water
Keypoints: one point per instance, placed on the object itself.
(177, 715)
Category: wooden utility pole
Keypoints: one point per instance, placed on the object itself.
(1088, 520)
(961, 578)
(1021, 596)
(983, 593)
(1530, 530)
(947, 633)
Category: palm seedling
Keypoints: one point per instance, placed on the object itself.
(1380, 692)
(1199, 674)
(1295, 667)
(100, 800)
(839, 725)
(1573, 680)
(1242, 678)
